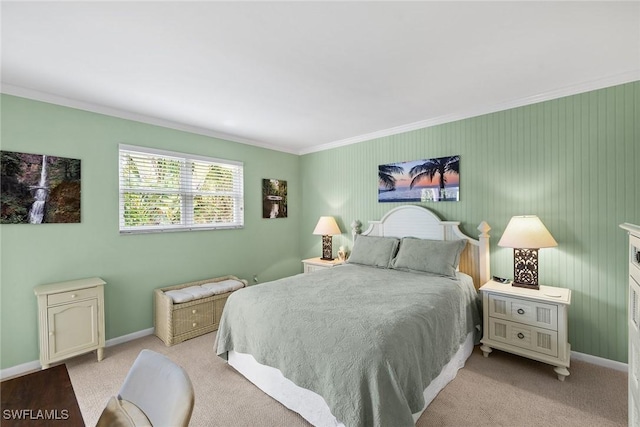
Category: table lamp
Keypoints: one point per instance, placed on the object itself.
(526, 234)
(326, 228)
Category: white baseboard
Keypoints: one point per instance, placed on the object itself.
(129, 337)
(600, 361)
(28, 367)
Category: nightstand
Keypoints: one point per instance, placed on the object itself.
(314, 264)
(71, 319)
(527, 322)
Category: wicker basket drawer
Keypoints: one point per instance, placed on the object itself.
(192, 318)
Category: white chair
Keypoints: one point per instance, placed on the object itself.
(156, 392)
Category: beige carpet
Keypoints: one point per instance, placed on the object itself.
(502, 390)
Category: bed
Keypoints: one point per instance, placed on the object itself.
(370, 342)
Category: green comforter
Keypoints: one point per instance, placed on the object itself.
(368, 340)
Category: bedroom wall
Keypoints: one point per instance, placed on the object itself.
(132, 265)
(571, 161)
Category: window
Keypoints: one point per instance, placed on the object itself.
(167, 191)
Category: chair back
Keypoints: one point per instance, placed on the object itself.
(160, 388)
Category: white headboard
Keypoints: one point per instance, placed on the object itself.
(417, 221)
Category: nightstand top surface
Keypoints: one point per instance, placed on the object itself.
(71, 285)
(545, 293)
(320, 261)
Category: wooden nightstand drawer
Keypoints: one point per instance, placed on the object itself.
(524, 311)
(308, 268)
(529, 337)
(77, 295)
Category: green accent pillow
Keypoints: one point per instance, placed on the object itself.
(430, 256)
(374, 251)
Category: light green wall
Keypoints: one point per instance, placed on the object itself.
(132, 265)
(571, 161)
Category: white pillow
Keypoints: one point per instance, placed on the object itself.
(198, 291)
(223, 286)
(178, 296)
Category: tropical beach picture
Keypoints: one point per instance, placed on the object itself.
(430, 180)
(39, 189)
(274, 198)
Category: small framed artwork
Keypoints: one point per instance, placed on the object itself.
(39, 189)
(428, 180)
(274, 198)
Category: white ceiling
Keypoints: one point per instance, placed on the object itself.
(305, 76)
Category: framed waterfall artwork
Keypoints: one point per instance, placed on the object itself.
(428, 180)
(39, 189)
(274, 198)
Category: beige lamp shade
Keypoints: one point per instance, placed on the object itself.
(527, 232)
(327, 226)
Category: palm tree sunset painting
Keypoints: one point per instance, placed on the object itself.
(430, 180)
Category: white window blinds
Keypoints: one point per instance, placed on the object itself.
(165, 191)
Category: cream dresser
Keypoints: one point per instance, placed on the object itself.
(634, 323)
(527, 322)
(71, 319)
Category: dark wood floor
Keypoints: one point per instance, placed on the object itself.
(43, 398)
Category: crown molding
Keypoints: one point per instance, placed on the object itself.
(602, 83)
(615, 80)
(50, 98)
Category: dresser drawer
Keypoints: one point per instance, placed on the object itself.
(524, 311)
(528, 337)
(77, 295)
(634, 307)
(634, 366)
(192, 318)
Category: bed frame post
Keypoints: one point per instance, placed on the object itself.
(356, 228)
(485, 263)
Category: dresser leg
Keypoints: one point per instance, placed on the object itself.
(485, 350)
(562, 372)
(100, 353)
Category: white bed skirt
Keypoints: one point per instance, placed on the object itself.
(311, 406)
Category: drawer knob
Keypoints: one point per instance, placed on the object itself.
(520, 335)
(73, 295)
(194, 324)
(638, 257)
(193, 311)
(520, 311)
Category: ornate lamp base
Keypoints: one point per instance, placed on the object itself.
(525, 268)
(327, 250)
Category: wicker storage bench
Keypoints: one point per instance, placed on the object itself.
(177, 322)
